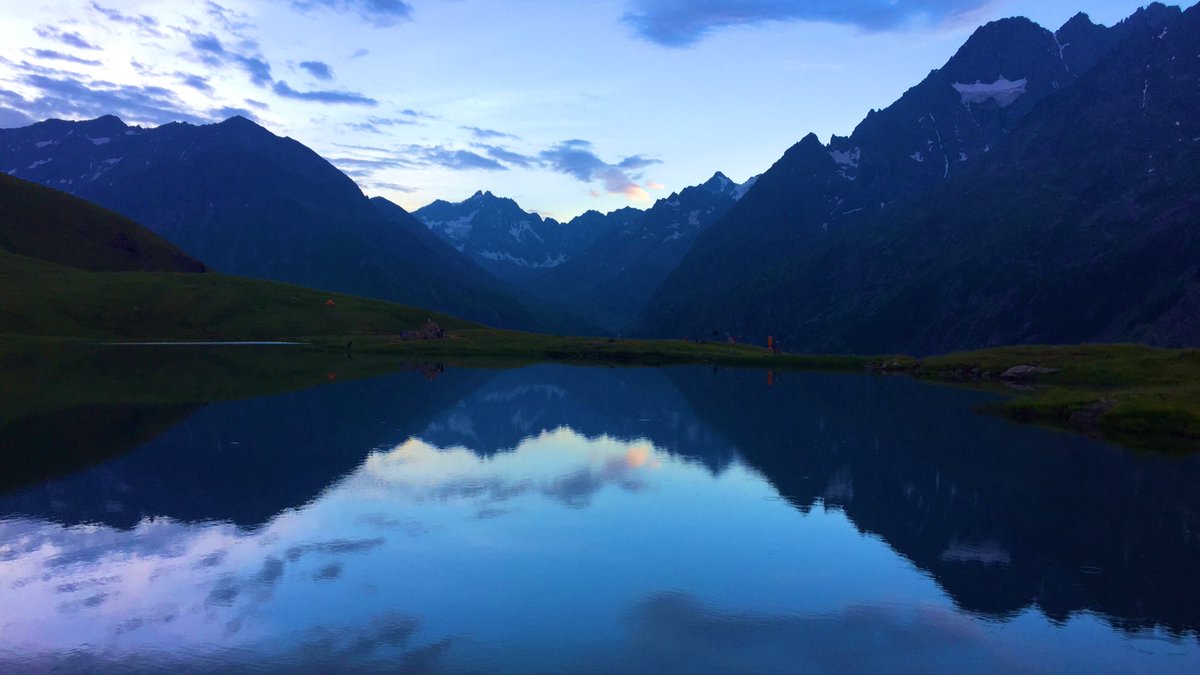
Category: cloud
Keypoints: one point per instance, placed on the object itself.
(63, 95)
(488, 133)
(414, 114)
(195, 82)
(508, 156)
(214, 54)
(364, 168)
(459, 160)
(681, 23)
(373, 124)
(282, 89)
(897, 638)
(13, 119)
(59, 56)
(71, 39)
(318, 69)
(381, 13)
(576, 158)
(145, 23)
(385, 185)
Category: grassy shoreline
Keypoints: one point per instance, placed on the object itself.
(1141, 397)
(1138, 396)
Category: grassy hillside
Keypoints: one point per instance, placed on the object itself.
(70, 268)
(46, 224)
(41, 298)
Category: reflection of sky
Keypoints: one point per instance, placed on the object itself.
(569, 551)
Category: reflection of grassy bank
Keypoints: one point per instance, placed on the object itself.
(1138, 396)
(66, 406)
(483, 347)
(45, 374)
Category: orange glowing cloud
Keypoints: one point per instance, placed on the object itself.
(637, 456)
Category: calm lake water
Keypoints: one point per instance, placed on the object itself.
(560, 520)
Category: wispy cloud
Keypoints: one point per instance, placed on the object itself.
(458, 160)
(488, 133)
(213, 53)
(196, 82)
(376, 125)
(144, 23)
(576, 158)
(53, 55)
(381, 13)
(69, 38)
(282, 89)
(386, 185)
(680, 23)
(318, 69)
(508, 156)
(64, 96)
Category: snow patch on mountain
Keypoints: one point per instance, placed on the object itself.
(846, 158)
(744, 188)
(458, 228)
(1003, 91)
(501, 256)
(518, 231)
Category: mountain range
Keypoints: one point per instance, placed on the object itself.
(1039, 187)
(607, 263)
(250, 203)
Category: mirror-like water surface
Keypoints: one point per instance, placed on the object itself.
(556, 519)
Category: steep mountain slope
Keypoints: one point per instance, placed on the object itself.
(248, 202)
(44, 224)
(853, 249)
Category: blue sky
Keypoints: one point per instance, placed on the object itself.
(564, 106)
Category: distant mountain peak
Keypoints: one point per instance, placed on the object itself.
(1080, 20)
(718, 183)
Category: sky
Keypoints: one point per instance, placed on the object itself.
(563, 106)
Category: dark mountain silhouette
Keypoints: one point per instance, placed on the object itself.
(1060, 209)
(600, 267)
(615, 275)
(251, 203)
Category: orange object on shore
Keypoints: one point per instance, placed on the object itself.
(770, 343)
(330, 303)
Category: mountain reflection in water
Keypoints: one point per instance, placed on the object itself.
(570, 519)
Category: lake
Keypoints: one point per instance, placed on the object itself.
(561, 519)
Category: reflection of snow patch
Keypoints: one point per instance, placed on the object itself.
(100, 141)
(917, 156)
(987, 552)
(39, 163)
(1003, 91)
